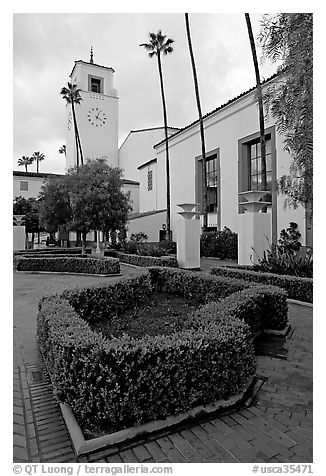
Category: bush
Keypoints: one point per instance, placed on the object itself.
(219, 244)
(261, 307)
(296, 288)
(156, 250)
(67, 264)
(125, 382)
(194, 286)
(144, 261)
(282, 261)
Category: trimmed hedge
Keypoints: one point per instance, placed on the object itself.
(110, 253)
(137, 260)
(296, 288)
(53, 251)
(67, 264)
(261, 307)
(125, 382)
(197, 286)
(106, 301)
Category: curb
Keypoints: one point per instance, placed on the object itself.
(300, 303)
(83, 446)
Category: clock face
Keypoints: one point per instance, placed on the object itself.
(69, 123)
(97, 117)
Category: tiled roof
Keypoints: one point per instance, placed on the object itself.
(146, 163)
(129, 182)
(19, 173)
(218, 108)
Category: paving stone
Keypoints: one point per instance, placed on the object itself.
(175, 456)
(20, 453)
(155, 450)
(114, 459)
(219, 451)
(128, 456)
(186, 448)
(141, 453)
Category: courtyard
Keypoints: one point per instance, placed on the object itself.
(276, 426)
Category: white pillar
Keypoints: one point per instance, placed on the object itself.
(254, 231)
(188, 237)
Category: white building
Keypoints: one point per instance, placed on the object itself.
(233, 166)
(232, 150)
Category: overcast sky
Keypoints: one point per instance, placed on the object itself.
(46, 46)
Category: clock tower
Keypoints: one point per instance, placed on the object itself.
(97, 114)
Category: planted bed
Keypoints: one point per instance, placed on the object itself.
(117, 367)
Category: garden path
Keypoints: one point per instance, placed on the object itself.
(277, 427)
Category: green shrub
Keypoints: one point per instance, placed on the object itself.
(261, 307)
(296, 288)
(105, 301)
(281, 261)
(67, 264)
(194, 286)
(126, 382)
(219, 244)
(162, 248)
(145, 261)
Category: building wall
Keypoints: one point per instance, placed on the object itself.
(97, 141)
(148, 198)
(223, 130)
(149, 224)
(134, 195)
(137, 149)
(34, 186)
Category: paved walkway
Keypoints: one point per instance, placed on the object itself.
(277, 427)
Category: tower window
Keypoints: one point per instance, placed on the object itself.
(95, 84)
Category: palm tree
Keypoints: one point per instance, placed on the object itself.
(201, 124)
(38, 157)
(63, 149)
(158, 45)
(72, 96)
(260, 102)
(25, 161)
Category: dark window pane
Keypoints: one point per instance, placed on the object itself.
(268, 146)
(253, 151)
(258, 149)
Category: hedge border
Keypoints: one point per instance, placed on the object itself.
(300, 289)
(67, 264)
(147, 261)
(65, 338)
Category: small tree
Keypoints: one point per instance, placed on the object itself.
(87, 198)
(30, 208)
(96, 199)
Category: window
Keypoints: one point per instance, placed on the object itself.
(23, 186)
(256, 166)
(212, 182)
(95, 84)
(150, 180)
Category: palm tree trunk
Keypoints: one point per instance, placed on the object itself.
(260, 102)
(76, 132)
(80, 148)
(26, 167)
(37, 166)
(201, 124)
(167, 161)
